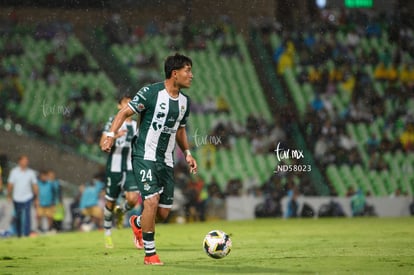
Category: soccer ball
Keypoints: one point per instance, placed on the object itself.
(217, 244)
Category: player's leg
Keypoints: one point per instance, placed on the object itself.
(27, 217)
(49, 213)
(148, 229)
(147, 179)
(40, 215)
(131, 192)
(167, 196)
(112, 192)
(160, 206)
(18, 210)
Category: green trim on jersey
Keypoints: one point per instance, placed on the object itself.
(161, 115)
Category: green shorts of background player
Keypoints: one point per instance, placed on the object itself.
(116, 183)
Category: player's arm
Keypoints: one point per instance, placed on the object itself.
(106, 129)
(182, 141)
(108, 141)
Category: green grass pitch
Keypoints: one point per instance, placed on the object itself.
(266, 246)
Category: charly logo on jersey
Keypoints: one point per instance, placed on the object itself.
(182, 109)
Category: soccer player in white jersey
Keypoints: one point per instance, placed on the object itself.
(164, 110)
(119, 174)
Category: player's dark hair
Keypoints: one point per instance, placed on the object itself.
(175, 62)
(121, 98)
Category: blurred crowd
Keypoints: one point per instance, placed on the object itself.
(334, 59)
(181, 33)
(55, 59)
(329, 65)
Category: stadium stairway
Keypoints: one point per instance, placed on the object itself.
(281, 100)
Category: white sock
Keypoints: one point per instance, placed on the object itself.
(138, 221)
(107, 218)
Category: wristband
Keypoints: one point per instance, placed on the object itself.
(110, 134)
(187, 152)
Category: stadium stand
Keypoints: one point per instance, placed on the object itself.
(352, 91)
(56, 78)
(356, 83)
(223, 72)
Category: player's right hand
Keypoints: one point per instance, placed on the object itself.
(107, 144)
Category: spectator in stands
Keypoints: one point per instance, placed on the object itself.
(344, 141)
(22, 188)
(234, 188)
(350, 192)
(75, 211)
(259, 145)
(407, 138)
(225, 134)
(380, 72)
(372, 144)
(45, 200)
(229, 49)
(292, 204)
(354, 158)
(195, 206)
(358, 203)
(406, 75)
(89, 202)
(317, 103)
(116, 30)
(59, 208)
(286, 59)
(1, 179)
(329, 129)
(377, 162)
(321, 150)
(411, 207)
(215, 200)
(214, 190)
(397, 193)
(222, 105)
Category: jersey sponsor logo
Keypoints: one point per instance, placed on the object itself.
(160, 115)
(168, 130)
(156, 126)
(182, 110)
(162, 105)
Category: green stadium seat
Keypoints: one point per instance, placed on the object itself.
(336, 179)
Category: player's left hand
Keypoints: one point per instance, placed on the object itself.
(192, 163)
